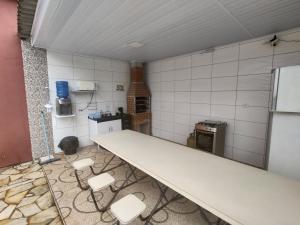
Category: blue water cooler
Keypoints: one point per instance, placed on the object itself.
(63, 102)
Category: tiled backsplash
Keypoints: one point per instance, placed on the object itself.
(231, 84)
(106, 73)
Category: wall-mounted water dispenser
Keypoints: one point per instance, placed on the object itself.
(63, 102)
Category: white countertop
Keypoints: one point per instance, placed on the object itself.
(237, 193)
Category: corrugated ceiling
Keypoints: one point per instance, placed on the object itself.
(166, 27)
(26, 12)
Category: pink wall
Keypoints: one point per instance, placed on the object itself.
(14, 131)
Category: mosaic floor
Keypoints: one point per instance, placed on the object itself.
(76, 206)
(25, 197)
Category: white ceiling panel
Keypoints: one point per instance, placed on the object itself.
(165, 27)
(261, 17)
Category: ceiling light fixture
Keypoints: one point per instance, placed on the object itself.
(135, 44)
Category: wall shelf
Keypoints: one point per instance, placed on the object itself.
(64, 116)
(83, 92)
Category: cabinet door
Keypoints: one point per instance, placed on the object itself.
(104, 127)
(115, 125)
(93, 128)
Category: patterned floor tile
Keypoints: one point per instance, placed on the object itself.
(25, 197)
(77, 205)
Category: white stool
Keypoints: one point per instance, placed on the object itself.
(127, 209)
(98, 183)
(80, 165)
(101, 181)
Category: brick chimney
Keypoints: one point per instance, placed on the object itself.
(139, 100)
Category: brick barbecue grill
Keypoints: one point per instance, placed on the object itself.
(139, 101)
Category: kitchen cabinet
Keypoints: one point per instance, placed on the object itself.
(96, 127)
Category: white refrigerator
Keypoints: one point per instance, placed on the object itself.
(284, 126)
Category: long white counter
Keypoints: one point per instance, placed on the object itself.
(237, 193)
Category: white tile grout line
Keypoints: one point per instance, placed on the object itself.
(235, 103)
(266, 90)
(269, 118)
(190, 104)
(211, 84)
(226, 118)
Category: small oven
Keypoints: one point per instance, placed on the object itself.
(210, 136)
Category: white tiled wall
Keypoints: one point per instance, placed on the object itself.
(230, 84)
(106, 73)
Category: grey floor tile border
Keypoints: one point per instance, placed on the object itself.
(55, 201)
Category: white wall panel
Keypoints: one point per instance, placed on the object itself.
(168, 76)
(103, 64)
(184, 85)
(201, 72)
(224, 84)
(255, 49)
(165, 86)
(83, 74)
(254, 82)
(167, 106)
(167, 65)
(223, 98)
(59, 59)
(182, 96)
(166, 116)
(253, 98)
(258, 130)
(226, 54)
(182, 118)
(250, 144)
(200, 97)
(72, 68)
(288, 47)
(200, 109)
(101, 75)
(252, 114)
(182, 107)
(225, 69)
(288, 59)
(201, 59)
(255, 66)
(201, 85)
(166, 126)
(183, 74)
(183, 62)
(223, 111)
(248, 157)
(83, 62)
(65, 72)
(241, 100)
